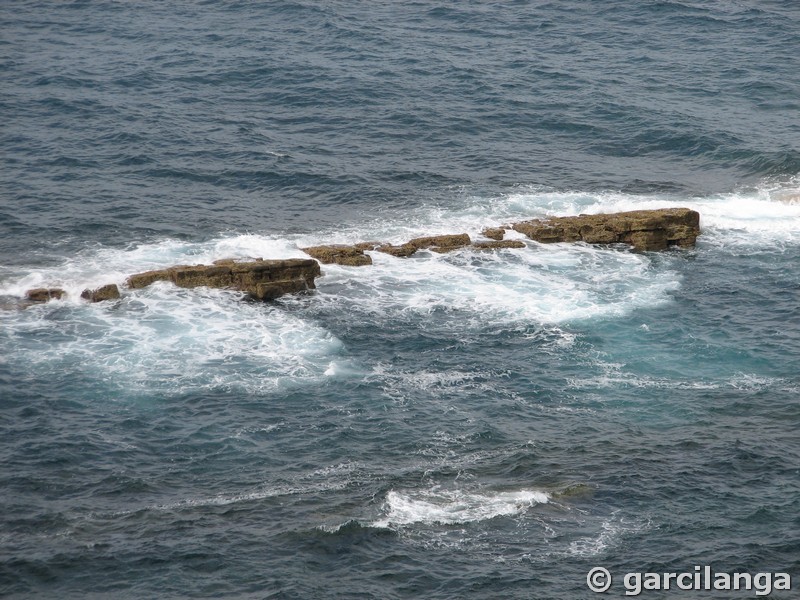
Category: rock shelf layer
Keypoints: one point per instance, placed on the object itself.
(644, 229)
(260, 279)
(339, 254)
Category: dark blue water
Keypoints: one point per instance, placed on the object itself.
(466, 425)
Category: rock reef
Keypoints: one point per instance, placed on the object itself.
(339, 254)
(44, 294)
(101, 294)
(494, 233)
(440, 243)
(260, 279)
(645, 230)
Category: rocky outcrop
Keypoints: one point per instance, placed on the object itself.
(643, 229)
(267, 279)
(260, 279)
(440, 243)
(44, 294)
(107, 292)
(494, 244)
(339, 254)
(403, 250)
(494, 233)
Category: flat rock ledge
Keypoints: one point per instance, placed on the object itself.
(354, 255)
(339, 254)
(440, 243)
(260, 279)
(645, 230)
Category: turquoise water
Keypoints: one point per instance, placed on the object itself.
(465, 425)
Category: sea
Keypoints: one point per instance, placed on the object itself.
(468, 425)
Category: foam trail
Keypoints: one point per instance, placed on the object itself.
(454, 506)
(163, 339)
(540, 284)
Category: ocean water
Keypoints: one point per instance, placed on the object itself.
(466, 425)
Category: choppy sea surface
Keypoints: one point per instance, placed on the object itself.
(464, 425)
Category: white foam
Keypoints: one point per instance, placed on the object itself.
(93, 268)
(327, 479)
(542, 284)
(438, 506)
(170, 340)
(613, 376)
(767, 214)
(610, 534)
(195, 337)
(746, 381)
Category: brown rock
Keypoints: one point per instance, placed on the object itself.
(107, 292)
(644, 229)
(494, 233)
(441, 243)
(339, 254)
(45, 294)
(403, 250)
(216, 276)
(261, 279)
(140, 280)
(498, 244)
(647, 240)
(368, 245)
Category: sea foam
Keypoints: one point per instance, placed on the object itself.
(447, 507)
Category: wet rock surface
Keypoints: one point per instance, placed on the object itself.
(261, 279)
(106, 292)
(340, 254)
(440, 243)
(44, 294)
(494, 233)
(645, 230)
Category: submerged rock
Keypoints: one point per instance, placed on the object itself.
(643, 229)
(107, 292)
(575, 490)
(339, 254)
(261, 279)
(45, 294)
